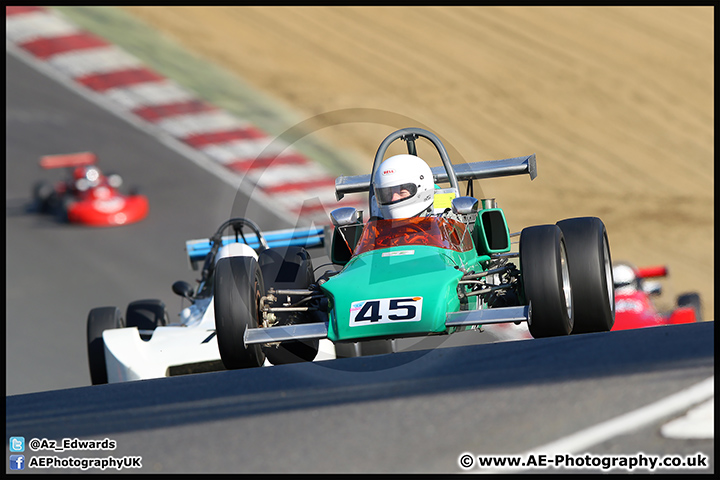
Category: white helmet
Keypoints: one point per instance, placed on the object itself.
(403, 187)
(624, 275)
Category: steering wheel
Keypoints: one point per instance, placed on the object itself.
(237, 224)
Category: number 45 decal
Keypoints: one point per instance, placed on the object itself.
(385, 310)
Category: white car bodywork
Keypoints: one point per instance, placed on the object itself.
(189, 346)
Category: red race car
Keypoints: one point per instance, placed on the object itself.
(634, 307)
(87, 197)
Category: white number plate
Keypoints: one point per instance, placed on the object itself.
(385, 310)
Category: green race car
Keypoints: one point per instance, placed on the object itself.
(436, 274)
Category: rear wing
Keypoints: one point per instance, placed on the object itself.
(198, 249)
(653, 272)
(463, 171)
(68, 160)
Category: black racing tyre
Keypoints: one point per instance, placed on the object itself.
(691, 300)
(238, 287)
(60, 207)
(99, 320)
(591, 273)
(146, 314)
(42, 195)
(289, 268)
(546, 281)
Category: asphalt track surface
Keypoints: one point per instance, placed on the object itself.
(415, 411)
(56, 273)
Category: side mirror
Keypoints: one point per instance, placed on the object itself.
(347, 230)
(344, 216)
(183, 289)
(465, 209)
(114, 180)
(464, 205)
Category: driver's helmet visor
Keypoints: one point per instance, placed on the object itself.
(395, 194)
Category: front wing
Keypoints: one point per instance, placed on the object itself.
(469, 318)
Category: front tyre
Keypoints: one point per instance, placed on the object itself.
(146, 314)
(99, 320)
(238, 287)
(546, 281)
(588, 253)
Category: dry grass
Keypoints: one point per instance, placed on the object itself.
(617, 103)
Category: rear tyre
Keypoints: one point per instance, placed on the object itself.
(238, 287)
(289, 268)
(99, 320)
(691, 300)
(588, 252)
(546, 281)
